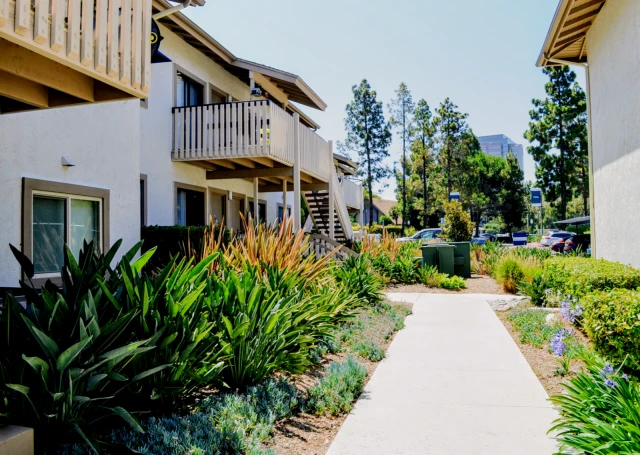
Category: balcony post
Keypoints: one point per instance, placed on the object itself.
(332, 227)
(297, 225)
(362, 208)
(256, 204)
(284, 200)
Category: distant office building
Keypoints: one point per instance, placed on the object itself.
(499, 145)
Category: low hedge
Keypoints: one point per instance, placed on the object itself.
(577, 276)
(392, 230)
(172, 240)
(611, 320)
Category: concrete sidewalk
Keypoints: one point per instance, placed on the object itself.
(453, 382)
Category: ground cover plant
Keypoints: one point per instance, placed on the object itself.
(338, 389)
(533, 326)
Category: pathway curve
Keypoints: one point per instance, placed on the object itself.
(453, 383)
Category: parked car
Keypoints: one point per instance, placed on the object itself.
(578, 242)
(557, 246)
(550, 237)
(424, 235)
(479, 240)
(489, 237)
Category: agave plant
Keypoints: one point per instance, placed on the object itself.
(62, 358)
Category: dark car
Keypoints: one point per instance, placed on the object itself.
(558, 245)
(578, 242)
(489, 237)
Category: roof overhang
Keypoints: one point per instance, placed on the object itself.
(347, 166)
(292, 85)
(567, 37)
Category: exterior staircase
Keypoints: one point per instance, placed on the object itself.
(318, 203)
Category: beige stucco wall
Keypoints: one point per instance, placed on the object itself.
(103, 141)
(614, 58)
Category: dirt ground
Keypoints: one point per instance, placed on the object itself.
(543, 363)
(307, 434)
(477, 284)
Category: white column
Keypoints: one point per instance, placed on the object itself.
(227, 210)
(284, 199)
(332, 188)
(297, 224)
(362, 210)
(256, 203)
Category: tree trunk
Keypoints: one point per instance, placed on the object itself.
(404, 173)
(585, 190)
(424, 194)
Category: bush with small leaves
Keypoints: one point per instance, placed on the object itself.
(337, 390)
(453, 283)
(369, 350)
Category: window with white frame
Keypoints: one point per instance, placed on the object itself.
(59, 219)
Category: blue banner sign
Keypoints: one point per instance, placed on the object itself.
(454, 196)
(536, 197)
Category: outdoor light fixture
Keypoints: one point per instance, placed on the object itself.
(66, 162)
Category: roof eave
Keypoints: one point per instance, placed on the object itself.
(558, 18)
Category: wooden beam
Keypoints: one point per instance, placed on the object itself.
(306, 178)
(579, 28)
(250, 173)
(274, 91)
(587, 5)
(561, 45)
(225, 163)
(304, 187)
(22, 62)
(243, 162)
(277, 181)
(264, 161)
(579, 19)
(23, 90)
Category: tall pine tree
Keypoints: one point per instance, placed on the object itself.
(513, 195)
(422, 154)
(401, 110)
(557, 130)
(455, 142)
(369, 136)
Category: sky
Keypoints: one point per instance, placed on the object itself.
(479, 53)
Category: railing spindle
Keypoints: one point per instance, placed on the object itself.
(112, 39)
(136, 50)
(125, 42)
(41, 21)
(100, 36)
(23, 16)
(86, 49)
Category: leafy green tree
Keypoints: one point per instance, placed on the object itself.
(558, 131)
(457, 225)
(482, 187)
(422, 157)
(513, 194)
(401, 110)
(456, 142)
(369, 136)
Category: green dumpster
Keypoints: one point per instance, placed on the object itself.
(429, 256)
(446, 258)
(462, 259)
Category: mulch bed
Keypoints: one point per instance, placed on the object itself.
(308, 434)
(543, 363)
(477, 284)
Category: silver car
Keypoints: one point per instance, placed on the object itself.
(423, 235)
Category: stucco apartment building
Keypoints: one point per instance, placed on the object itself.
(603, 37)
(196, 134)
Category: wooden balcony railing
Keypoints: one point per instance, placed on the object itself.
(107, 40)
(352, 193)
(247, 129)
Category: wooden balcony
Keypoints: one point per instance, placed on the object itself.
(251, 138)
(352, 194)
(62, 52)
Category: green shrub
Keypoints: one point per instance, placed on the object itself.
(63, 360)
(369, 350)
(405, 269)
(531, 324)
(510, 274)
(430, 277)
(338, 388)
(534, 287)
(599, 411)
(577, 276)
(171, 241)
(457, 225)
(611, 320)
(357, 277)
(454, 283)
(391, 230)
(229, 424)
